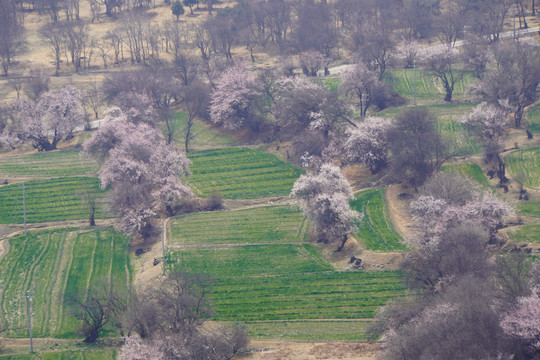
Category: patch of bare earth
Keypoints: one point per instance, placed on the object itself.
(277, 350)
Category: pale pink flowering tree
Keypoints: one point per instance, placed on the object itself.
(327, 195)
(135, 348)
(297, 102)
(435, 216)
(368, 143)
(142, 171)
(233, 101)
(359, 82)
(52, 117)
(489, 121)
(524, 320)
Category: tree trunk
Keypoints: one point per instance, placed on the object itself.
(92, 219)
(91, 337)
(342, 245)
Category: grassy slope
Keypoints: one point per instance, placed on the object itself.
(375, 231)
(472, 171)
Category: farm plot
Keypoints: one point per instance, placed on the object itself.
(525, 162)
(56, 266)
(46, 165)
(204, 136)
(271, 225)
(375, 231)
(50, 200)
(472, 171)
(251, 260)
(328, 295)
(259, 278)
(86, 354)
(530, 232)
(426, 85)
(240, 173)
(311, 330)
(533, 119)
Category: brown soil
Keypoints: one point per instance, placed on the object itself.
(278, 350)
(398, 212)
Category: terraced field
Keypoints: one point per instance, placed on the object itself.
(46, 165)
(56, 266)
(375, 231)
(526, 162)
(86, 354)
(263, 225)
(49, 200)
(426, 85)
(264, 274)
(470, 170)
(240, 173)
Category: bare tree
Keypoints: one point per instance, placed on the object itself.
(11, 33)
(55, 37)
(93, 98)
(36, 83)
(195, 99)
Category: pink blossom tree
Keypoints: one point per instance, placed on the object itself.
(51, 118)
(368, 143)
(435, 215)
(327, 195)
(523, 321)
(233, 102)
(142, 171)
(489, 121)
(297, 102)
(359, 82)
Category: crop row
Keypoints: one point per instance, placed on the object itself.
(250, 260)
(49, 200)
(426, 85)
(241, 173)
(525, 163)
(48, 164)
(470, 170)
(56, 266)
(375, 231)
(265, 224)
(305, 297)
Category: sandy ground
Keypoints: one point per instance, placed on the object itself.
(272, 350)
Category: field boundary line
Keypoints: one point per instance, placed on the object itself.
(52, 284)
(310, 320)
(30, 272)
(109, 275)
(226, 245)
(60, 320)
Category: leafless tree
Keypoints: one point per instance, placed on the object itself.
(93, 98)
(11, 33)
(55, 37)
(202, 40)
(195, 100)
(95, 7)
(37, 82)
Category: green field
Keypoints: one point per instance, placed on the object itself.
(264, 272)
(46, 165)
(526, 162)
(55, 266)
(86, 354)
(530, 232)
(426, 85)
(325, 295)
(472, 171)
(533, 119)
(49, 200)
(318, 330)
(240, 173)
(252, 260)
(270, 224)
(375, 231)
(204, 136)
(529, 208)
(460, 139)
